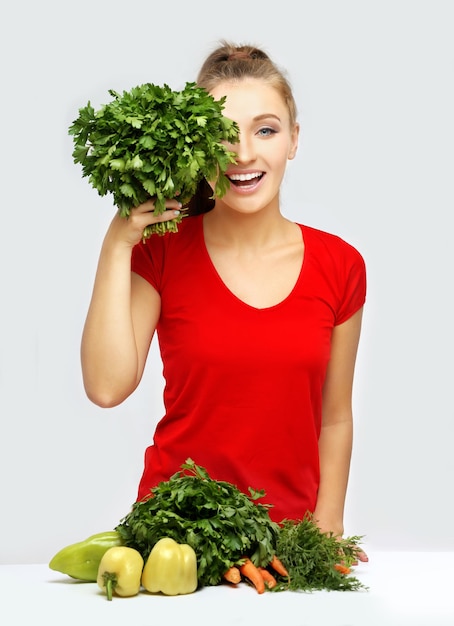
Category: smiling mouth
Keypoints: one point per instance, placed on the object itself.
(245, 180)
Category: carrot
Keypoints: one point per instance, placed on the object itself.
(278, 566)
(251, 571)
(343, 569)
(268, 577)
(232, 575)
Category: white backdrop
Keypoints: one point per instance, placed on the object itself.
(374, 83)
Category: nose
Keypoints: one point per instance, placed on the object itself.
(244, 149)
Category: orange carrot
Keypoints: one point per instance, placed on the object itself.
(343, 569)
(268, 577)
(278, 566)
(251, 571)
(232, 575)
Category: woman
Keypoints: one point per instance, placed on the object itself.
(258, 317)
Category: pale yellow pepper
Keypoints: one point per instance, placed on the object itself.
(171, 568)
(120, 572)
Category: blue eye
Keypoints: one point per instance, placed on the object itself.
(267, 131)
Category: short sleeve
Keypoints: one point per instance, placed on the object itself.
(147, 260)
(354, 290)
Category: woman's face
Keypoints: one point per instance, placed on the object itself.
(266, 142)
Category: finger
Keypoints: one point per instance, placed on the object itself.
(149, 206)
(167, 215)
(362, 556)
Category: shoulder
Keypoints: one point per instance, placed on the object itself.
(159, 244)
(184, 239)
(325, 243)
(163, 254)
(188, 230)
(338, 269)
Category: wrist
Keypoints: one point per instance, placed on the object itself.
(329, 523)
(123, 234)
(115, 247)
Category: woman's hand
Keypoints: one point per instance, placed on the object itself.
(338, 530)
(362, 556)
(129, 230)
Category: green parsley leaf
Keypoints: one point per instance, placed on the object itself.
(222, 524)
(154, 142)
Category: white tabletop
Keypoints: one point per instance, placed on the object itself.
(405, 589)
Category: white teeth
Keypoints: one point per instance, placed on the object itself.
(243, 177)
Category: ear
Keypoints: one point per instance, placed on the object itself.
(294, 142)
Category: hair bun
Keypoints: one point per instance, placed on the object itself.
(239, 54)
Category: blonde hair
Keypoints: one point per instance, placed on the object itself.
(231, 62)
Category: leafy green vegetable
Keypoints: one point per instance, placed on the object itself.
(224, 525)
(154, 142)
(221, 524)
(311, 558)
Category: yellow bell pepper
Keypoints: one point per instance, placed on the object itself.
(171, 568)
(120, 572)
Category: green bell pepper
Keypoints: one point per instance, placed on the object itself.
(81, 560)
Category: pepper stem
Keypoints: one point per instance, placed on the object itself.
(110, 582)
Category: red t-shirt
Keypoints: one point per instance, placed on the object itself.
(243, 386)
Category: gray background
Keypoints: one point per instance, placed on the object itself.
(374, 84)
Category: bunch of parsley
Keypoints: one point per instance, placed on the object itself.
(154, 142)
(222, 524)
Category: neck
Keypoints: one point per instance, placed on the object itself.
(245, 229)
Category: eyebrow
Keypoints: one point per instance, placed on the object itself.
(265, 116)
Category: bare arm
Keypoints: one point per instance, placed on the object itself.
(335, 443)
(122, 315)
